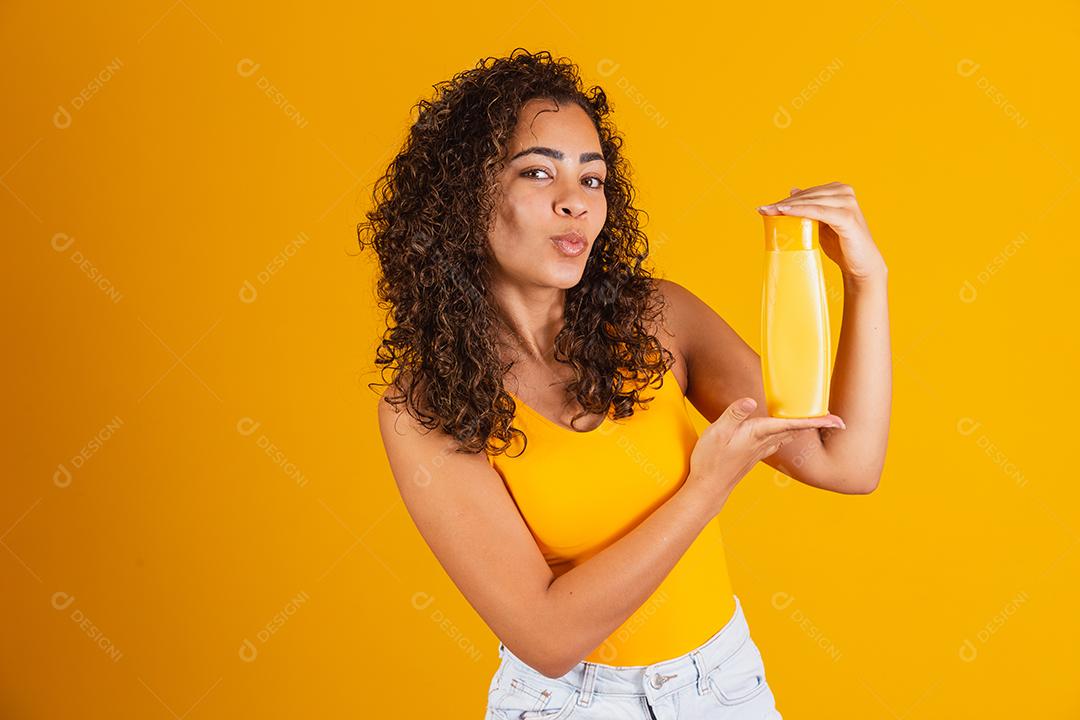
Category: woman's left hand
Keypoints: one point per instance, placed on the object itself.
(843, 234)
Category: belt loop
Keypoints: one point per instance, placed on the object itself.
(587, 684)
(699, 663)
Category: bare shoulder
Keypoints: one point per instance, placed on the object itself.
(722, 366)
(422, 459)
(678, 309)
(677, 299)
(405, 438)
(692, 319)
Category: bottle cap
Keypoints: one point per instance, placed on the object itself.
(788, 232)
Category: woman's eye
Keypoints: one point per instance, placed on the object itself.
(529, 173)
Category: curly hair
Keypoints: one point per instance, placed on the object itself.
(432, 211)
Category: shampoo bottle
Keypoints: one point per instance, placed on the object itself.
(796, 346)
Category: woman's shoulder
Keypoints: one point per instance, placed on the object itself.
(670, 325)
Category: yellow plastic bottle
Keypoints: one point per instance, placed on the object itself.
(796, 345)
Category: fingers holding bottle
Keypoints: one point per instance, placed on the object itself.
(730, 447)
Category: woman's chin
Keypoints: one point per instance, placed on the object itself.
(563, 279)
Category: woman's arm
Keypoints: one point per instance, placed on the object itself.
(861, 389)
(722, 367)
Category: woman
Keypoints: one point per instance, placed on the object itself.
(546, 454)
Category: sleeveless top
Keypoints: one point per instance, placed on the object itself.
(579, 492)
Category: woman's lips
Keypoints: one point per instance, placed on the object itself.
(570, 245)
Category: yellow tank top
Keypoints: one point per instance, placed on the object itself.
(581, 491)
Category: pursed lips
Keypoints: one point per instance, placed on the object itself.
(570, 243)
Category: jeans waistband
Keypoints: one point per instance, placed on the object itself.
(658, 679)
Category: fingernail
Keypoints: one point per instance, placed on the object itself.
(783, 207)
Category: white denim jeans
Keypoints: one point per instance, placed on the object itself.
(723, 678)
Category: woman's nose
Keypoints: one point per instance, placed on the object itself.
(572, 204)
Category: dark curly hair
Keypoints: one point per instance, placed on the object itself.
(429, 227)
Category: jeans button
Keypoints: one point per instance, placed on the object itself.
(658, 680)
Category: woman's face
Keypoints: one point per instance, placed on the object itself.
(552, 185)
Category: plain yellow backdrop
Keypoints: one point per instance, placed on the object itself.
(198, 519)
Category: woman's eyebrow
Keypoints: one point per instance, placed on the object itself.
(557, 154)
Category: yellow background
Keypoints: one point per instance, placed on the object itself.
(198, 520)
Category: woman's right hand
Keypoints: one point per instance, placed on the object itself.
(728, 448)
